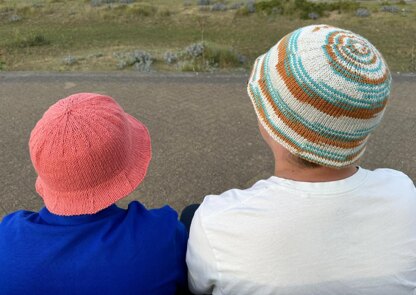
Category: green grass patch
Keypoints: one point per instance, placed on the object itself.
(30, 40)
(141, 10)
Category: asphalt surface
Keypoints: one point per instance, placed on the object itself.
(204, 133)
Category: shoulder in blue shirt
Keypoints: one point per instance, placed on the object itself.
(116, 251)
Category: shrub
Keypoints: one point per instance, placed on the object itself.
(101, 2)
(15, 18)
(390, 8)
(362, 12)
(70, 60)
(277, 10)
(313, 15)
(195, 50)
(170, 57)
(204, 2)
(139, 60)
(219, 7)
(251, 6)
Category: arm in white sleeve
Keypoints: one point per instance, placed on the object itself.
(200, 258)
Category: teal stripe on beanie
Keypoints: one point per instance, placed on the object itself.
(283, 107)
(330, 86)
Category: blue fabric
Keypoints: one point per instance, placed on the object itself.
(116, 251)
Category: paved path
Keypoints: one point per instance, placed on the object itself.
(203, 132)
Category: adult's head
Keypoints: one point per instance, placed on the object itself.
(319, 93)
(88, 153)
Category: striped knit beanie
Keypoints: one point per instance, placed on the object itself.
(320, 92)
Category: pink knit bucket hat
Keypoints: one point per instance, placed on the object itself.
(88, 154)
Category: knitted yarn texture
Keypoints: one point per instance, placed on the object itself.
(88, 153)
(320, 92)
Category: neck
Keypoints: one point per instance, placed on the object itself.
(319, 174)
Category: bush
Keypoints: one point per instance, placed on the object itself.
(251, 6)
(204, 2)
(170, 57)
(102, 2)
(313, 15)
(195, 50)
(70, 60)
(15, 18)
(139, 60)
(362, 12)
(390, 8)
(219, 7)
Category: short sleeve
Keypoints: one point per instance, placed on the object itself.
(200, 258)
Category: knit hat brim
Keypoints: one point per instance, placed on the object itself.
(94, 199)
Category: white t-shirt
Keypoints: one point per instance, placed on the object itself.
(352, 236)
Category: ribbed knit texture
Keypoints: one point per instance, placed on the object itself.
(88, 153)
(320, 91)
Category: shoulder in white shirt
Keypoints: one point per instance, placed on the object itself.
(353, 236)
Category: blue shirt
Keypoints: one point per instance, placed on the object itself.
(116, 251)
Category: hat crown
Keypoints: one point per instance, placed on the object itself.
(80, 142)
(320, 91)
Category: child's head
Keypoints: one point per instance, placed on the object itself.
(320, 92)
(88, 153)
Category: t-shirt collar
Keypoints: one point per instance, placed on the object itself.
(51, 218)
(322, 188)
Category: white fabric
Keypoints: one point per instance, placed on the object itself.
(353, 236)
